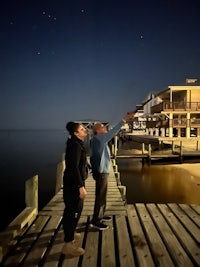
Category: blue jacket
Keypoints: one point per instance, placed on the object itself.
(100, 152)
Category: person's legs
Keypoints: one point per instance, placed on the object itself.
(100, 197)
(72, 211)
(71, 215)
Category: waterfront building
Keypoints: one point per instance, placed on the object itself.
(175, 111)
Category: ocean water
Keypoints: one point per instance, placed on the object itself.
(23, 154)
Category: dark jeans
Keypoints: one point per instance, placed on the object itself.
(101, 180)
(72, 211)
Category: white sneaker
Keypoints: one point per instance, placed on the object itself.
(99, 226)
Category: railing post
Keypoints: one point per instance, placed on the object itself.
(143, 148)
(115, 146)
(59, 175)
(181, 152)
(173, 147)
(149, 154)
(31, 192)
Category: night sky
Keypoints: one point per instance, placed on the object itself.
(74, 60)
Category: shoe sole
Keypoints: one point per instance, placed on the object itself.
(98, 228)
(73, 255)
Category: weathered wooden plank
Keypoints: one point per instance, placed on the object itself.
(191, 213)
(186, 240)
(192, 228)
(175, 249)
(53, 258)
(25, 217)
(50, 212)
(113, 201)
(41, 245)
(90, 257)
(124, 245)
(142, 250)
(196, 208)
(108, 247)
(6, 243)
(159, 251)
(52, 207)
(25, 244)
(14, 229)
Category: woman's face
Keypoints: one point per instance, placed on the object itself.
(81, 132)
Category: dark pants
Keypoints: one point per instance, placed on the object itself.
(72, 211)
(101, 180)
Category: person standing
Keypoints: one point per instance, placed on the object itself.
(100, 164)
(74, 191)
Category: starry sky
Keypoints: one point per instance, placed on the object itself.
(64, 60)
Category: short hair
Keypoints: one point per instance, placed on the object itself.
(96, 126)
(72, 127)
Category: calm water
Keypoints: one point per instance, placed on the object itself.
(158, 183)
(24, 154)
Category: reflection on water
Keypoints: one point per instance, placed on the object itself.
(157, 183)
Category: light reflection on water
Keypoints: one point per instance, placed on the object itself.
(157, 183)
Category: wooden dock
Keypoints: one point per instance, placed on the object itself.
(139, 235)
(148, 156)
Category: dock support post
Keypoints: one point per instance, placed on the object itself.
(149, 155)
(181, 152)
(122, 189)
(143, 152)
(173, 147)
(143, 148)
(117, 177)
(160, 145)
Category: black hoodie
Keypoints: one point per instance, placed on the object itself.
(75, 162)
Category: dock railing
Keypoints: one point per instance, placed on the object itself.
(11, 233)
(59, 174)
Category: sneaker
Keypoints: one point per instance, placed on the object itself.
(71, 249)
(107, 219)
(99, 226)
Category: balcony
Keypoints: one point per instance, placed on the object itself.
(175, 106)
(157, 124)
(181, 123)
(175, 123)
(194, 122)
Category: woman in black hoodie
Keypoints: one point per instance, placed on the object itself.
(74, 187)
